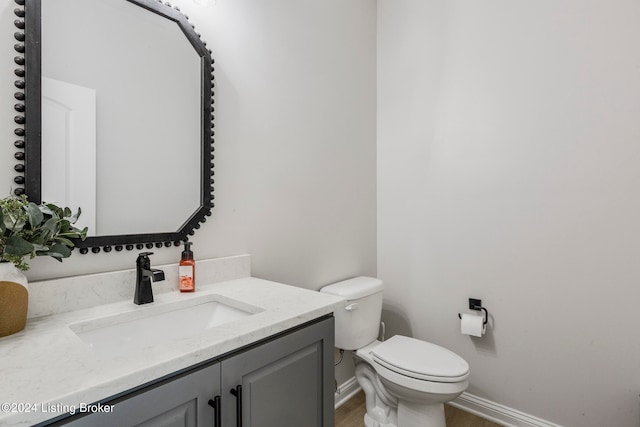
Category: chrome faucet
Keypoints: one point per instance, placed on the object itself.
(144, 274)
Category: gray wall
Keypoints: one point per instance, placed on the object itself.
(508, 147)
(295, 140)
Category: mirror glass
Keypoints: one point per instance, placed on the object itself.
(116, 110)
(120, 116)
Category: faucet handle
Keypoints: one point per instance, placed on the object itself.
(143, 260)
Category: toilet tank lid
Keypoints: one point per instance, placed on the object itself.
(355, 288)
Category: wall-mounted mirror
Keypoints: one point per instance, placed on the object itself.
(116, 118)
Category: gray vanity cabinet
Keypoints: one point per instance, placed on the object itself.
(284, 381)
(287, 382)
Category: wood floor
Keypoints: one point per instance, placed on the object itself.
(351, 414)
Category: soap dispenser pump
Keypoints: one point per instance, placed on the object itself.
(187, 270)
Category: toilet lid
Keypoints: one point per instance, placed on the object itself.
(419, 359)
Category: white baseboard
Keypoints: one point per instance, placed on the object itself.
(479, 406)
(346, 390)
(497, 413)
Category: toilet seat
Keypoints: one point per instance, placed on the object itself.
(421, 360)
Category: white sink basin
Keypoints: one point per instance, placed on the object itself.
(149, 325)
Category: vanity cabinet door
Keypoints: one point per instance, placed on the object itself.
(182, 402)
(284, 382)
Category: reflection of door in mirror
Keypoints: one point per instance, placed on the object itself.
(69, 145)
(146, 78)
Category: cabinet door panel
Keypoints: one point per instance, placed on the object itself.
(180, 416)
(179, 403)
(295, 381)
(285, 382)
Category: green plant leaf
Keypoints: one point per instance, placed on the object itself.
(14, 222)
(55, 210)
(75, 217)
(64, 225)
(64, 241)
(51, 225)
(34, 214)
(61, 249)
(40, 248)
(18, 246)
(52, 254)
(2, 226)
(45, 209)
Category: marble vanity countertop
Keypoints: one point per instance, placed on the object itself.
(47, 368)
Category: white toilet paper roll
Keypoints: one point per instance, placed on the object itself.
(471, 324)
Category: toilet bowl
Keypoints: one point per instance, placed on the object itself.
(406, 381)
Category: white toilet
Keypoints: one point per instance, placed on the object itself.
(406, 381)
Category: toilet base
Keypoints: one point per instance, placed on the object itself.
(370, 422)
(381, 407)
(415, 415)
(384, 410)
(409, 415)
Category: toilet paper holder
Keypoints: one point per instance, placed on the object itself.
(476, 304)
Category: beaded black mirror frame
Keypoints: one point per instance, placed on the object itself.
(29, 126)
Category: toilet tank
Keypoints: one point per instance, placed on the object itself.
(357, 319)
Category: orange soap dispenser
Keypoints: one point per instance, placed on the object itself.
(187, 270)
